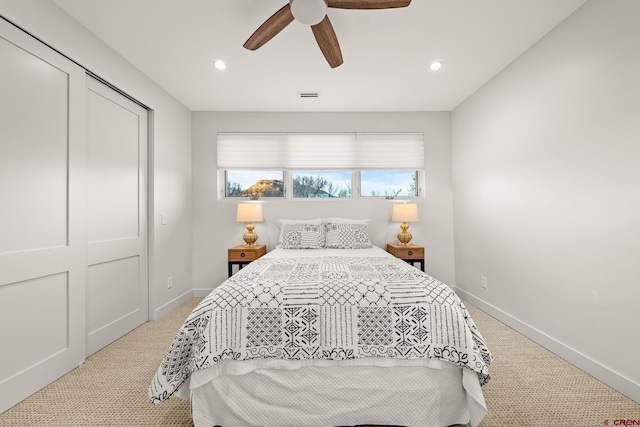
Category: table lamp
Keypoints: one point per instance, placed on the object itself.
(406, 212)
(249, 213)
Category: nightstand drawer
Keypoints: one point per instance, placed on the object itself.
(246, 253)
(406, 251)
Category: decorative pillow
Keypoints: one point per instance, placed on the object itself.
(302, 236)
(346, 236)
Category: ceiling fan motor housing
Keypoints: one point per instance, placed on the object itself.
(308, 12)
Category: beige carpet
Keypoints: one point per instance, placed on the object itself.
(548, 392)
(110, 389)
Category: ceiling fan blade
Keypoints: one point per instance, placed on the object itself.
(328, 42)
(368, 4)
(270, 28)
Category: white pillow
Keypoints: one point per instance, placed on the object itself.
(346, 236)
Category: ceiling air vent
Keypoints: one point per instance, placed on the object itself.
(308, 94)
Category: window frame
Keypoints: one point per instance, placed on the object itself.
(356, 189)
(360, 149)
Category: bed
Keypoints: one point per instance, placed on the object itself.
(328, 330)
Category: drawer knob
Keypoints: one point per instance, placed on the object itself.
(410, 252)
(241, 254)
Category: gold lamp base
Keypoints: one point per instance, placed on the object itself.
(404, 236)
(250, 237)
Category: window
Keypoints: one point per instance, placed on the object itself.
(320, 165)
(254, 183)
(321, 184)
(388, 183)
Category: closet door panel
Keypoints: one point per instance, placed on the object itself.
(113, 290)
(42, 227)
(46, 328)
(34, 161)
(117, 284)
(112, 169)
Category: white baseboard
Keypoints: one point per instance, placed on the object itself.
(201, 292)
(611, 378)
(159, 312)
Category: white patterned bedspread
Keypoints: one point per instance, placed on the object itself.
(327, 307)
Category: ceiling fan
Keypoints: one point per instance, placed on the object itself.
(314, 13)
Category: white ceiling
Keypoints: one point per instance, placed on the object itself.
(386, 52)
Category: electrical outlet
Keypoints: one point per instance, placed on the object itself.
(483, 282)
(169, 282)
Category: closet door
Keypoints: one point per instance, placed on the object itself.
(42, 231)
(117, 284)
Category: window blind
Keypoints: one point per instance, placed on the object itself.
(321, 151)
(261, 151)
(391, 151)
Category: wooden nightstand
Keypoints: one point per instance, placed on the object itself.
(409, 253)
(242, 255)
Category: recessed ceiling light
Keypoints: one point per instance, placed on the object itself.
(435, 65)
(220, 65)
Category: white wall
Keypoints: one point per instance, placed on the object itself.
(171, 192)
(215, 228)
(546, 178)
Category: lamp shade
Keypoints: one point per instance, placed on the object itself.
(249, 212)
(406, 212)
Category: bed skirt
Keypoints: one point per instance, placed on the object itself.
(440, 395)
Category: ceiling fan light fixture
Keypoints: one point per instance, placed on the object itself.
(308, 12)
(435, 66)
(313, 13)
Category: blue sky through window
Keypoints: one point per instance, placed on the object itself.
(387, 183)
(373, 182)
(246, 178)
